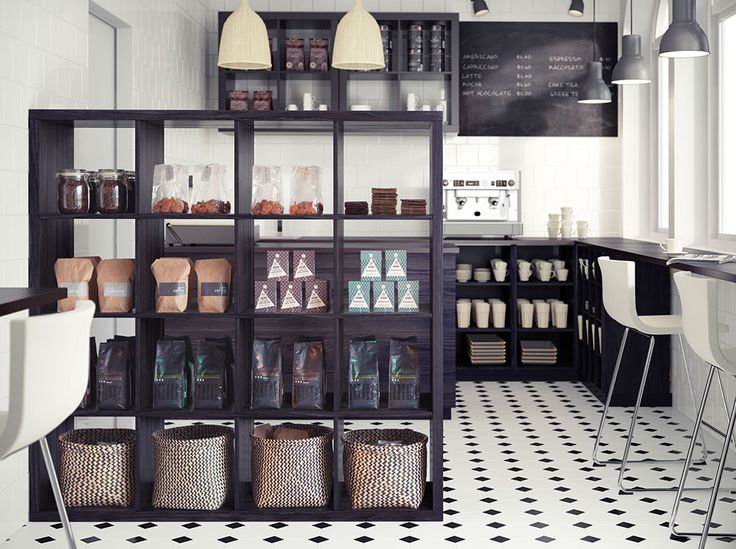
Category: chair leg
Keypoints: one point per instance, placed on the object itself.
(57, 492)
(704, 449)
(609, 397)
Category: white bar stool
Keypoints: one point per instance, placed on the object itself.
(49, 367)
(699, 299)
(619, 300)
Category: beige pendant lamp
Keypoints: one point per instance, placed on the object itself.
(358, 45)
(244, 42)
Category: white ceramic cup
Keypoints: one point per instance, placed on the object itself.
(541, 311)
(560, 312)
(500, 274)
(308, 101)
(562, 274)
(499, 314)
(672, 245)
(481, 311)
(411, 102)
(527, 315)
(463, 314)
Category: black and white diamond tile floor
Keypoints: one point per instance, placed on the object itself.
(518, 474)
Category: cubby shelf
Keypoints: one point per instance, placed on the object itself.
(51, 138)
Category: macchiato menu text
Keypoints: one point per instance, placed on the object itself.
(522, 79)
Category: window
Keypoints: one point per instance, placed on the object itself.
(727, 117)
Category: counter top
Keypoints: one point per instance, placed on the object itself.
(13, 300)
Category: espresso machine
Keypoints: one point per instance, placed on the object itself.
(481, 203)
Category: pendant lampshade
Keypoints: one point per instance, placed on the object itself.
(244, 42)
(593, 89)
(358, 45)
(684, 37)
(480, 8)
(577, 8)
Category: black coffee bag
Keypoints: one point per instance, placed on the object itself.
(403, 367)
(308, 390)
(364, 391)
(267, 386)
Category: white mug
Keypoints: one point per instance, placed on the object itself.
(411, 102)
(308, 102)
(672, 246)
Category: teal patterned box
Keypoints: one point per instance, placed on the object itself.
(384, 298)
(408, 296)
(395, 264)
(370, 265)
(359, 296)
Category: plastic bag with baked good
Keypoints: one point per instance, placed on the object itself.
(209, 193)
(267, 191)
(306, 191)
(170, 189)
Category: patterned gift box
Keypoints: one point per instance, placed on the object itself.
(370, 265)
(277, 265)
(303, 265)
(384, 298)
(266, 296)
(317, 296)
(395, 264)
(359, 296)
(408, 296)
(290, 296)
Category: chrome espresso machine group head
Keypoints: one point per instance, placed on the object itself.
(481, 203)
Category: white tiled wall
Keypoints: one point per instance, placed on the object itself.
(45, 65)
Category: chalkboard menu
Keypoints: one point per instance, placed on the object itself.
(522, 79)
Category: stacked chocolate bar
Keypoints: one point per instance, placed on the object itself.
(410, 206)
(383, 201)
(356, 208)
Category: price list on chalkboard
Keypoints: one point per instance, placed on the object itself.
(522, 79)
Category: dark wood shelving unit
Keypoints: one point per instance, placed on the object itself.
(337, 83)
(51, 141)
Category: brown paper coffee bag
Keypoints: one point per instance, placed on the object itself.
(77, 275)
(115, 285)
(172, 284)
(214, 281)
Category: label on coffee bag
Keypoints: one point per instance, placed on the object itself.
(117, 289)
(172, 289)
(80, 290)
(214, 289)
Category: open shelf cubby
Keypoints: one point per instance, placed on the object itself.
(51, 141)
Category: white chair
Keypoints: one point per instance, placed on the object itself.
(619, 300)
(49, 367)
(699, 299)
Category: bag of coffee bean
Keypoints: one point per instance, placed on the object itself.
(403, 367)
(115, 285)
(209, 194)
(267, 386)
(88, 399)
(172, 373)
(172, 283)
(295, 54)
(308, 390)
(364, 391)
(306, 191)
(212, 369)
(267, 191)
(318, 54)
(114, 374)
(78, 276)
(170, 189)
(214, 281)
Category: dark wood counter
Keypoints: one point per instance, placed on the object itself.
(13, 300)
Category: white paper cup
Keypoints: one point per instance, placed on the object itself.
(527, 315)
(560, 312)
(499, 314)
(463, 314)
(562, 274)
(541, 311)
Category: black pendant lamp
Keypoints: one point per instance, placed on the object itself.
(593, 90)
(480, 8)
(577, 8)
(684, 37)
(632, 68)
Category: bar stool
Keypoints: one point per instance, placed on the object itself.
(699, 299)
(619, 299)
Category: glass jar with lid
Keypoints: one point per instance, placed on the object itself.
(112, 191)
(74, 191)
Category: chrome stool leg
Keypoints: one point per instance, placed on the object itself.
(57, 492)
(719, 473)
(609, 397)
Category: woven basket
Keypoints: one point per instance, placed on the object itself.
(293, 473)
(385, 476)
(192, 467)
(98, 467)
